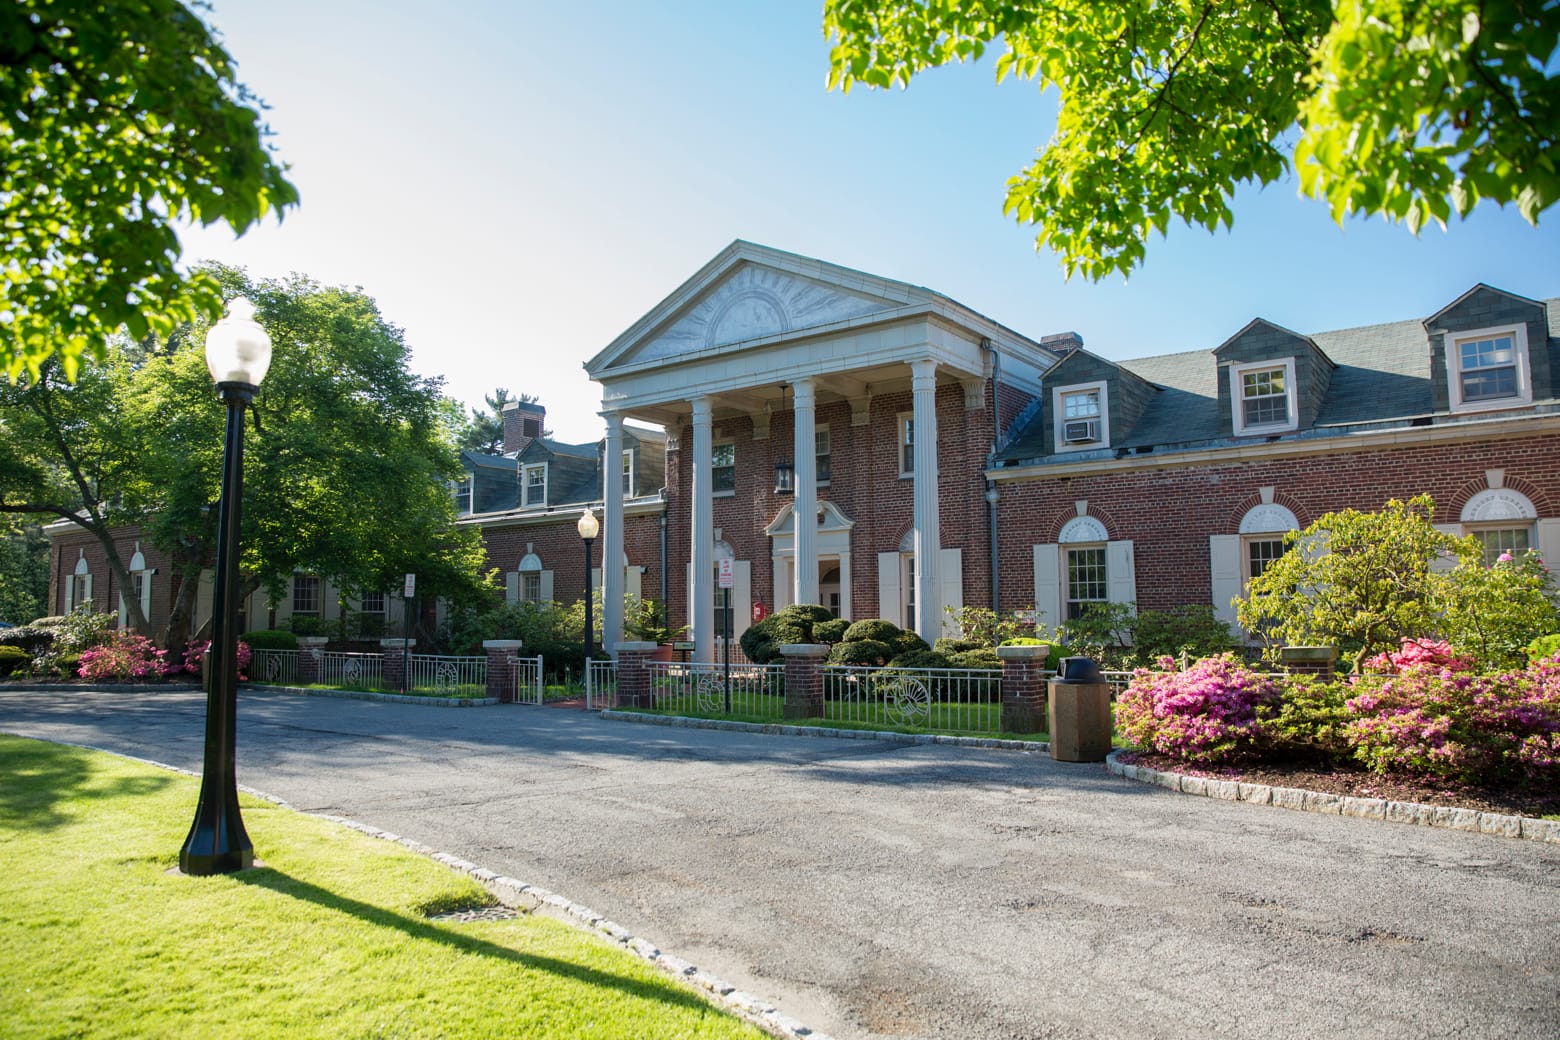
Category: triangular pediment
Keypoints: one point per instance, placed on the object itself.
(753, 293)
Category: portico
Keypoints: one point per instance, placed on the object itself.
(762, 339)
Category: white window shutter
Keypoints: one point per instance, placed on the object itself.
(951, 574)
(1048, 585)
(1120, 573)
(890, 601)
(547, 586)
(1442, 564)
(512, 587)
(124, 611)
(633, 582)
(741, 596)
(1549, 542)
(86, 592)
(146, 593)
(1225, 574)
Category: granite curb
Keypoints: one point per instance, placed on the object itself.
(1524, 827)
(365, 695)
(780, 729)
(527, 898)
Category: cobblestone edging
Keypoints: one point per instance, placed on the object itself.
(363, 695)
(1524, 827)
(779, 729)
(534, 899)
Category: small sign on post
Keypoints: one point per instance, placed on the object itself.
(411, 586)
(726, 572)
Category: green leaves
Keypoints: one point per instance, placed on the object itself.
(1414, 110)
(116, 119)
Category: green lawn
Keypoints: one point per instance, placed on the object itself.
(330, 938)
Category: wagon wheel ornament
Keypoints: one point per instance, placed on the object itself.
(447, 676)
(351, 670)
(273, 668)
(907, 701)
(710, 692)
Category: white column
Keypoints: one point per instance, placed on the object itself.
(928, 593)
(805, 503)
(612, 534)
(701, 605)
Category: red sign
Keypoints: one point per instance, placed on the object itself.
(759, 612)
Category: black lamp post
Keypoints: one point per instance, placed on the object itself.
(238, 352)
(589, 528)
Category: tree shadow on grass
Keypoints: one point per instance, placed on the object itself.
(415, 928)
(37, 780)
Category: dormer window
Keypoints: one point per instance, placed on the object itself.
(1081, 416)
(534, 484)
(1488, 368)
(1263, 393)
(460, 491)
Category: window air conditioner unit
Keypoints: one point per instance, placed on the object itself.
(1081, 431)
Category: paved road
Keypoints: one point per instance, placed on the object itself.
(876, 889)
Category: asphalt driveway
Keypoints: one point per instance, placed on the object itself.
(874, 889)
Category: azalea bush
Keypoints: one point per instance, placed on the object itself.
(1208, 713)
(1442, 721)
(124, 656)
(195, 654)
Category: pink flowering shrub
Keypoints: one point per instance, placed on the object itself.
(195, 653)
(1207, 713)
(1434, 720)
(1434, 653)
(124, 656)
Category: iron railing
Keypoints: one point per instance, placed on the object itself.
(945, 700)
(276, 667)
(601, 685)
(352, 671)
(751, 691)
(447, 676)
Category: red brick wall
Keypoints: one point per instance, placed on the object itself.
(558, 545)
(67, 549)
(1169, 513)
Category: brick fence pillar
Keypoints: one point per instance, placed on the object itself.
(393, 662)
(804, 679)
(633, 674)
(1320, 661)
(1023, 688)
(503, 668)
(311, 656)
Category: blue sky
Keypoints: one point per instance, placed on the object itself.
(517, 183)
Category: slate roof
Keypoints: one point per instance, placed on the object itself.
(1382, 378)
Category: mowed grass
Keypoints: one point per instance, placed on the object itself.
(329, 939)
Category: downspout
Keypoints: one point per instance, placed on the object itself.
(991, 487)
(666, 591)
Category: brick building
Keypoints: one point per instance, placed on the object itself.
(944, 459)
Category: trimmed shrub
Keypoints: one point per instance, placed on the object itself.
(123, 657)
(271, 639)
(869, 652)
(908, 643)
(1192, 629)
(830, 631)
(927, 658)
(83, 628)
(307, 625)
(950, 647)
(794, 624)
(13, 658)
(1308, 720)
(980, 657)
(872, 628)
(1207, 713)
(30, 639)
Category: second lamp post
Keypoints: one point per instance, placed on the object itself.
(589, 528)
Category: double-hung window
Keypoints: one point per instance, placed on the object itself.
(535, 485)
(906, 445)
(1488, 368)
(723, 468)
(1500, 540)
(460, 490)
(628, 473)
(1086, 578)
(821, 441)
(1263, 394)
(306, 594)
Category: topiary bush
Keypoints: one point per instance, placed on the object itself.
(271, 639)
(794, 624)
(873, 628)
(908, 642)
(1207, 713)
(980, 657)
(927, 658)
(831, 631)
(13, 658)
(945, 645)
(863, 652)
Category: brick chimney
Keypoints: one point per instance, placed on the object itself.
(523, 423)
(1062, 342)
